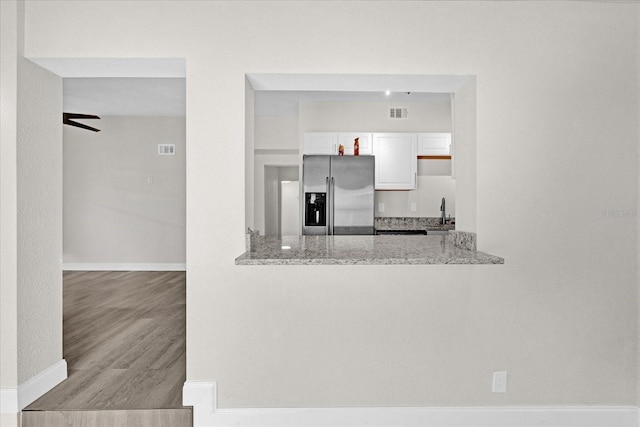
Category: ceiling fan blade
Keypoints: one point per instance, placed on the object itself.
(79, 116)
(80, 125)
(66, 119)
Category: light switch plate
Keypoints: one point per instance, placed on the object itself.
(414, 207)
(380, 207)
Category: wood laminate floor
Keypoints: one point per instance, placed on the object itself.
(124, 342)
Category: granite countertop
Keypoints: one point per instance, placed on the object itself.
(411, 223)
(360, 250)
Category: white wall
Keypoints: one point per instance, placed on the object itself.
(428, 116)
(31, 219)
(276, 133)
(465, 159)
(638, 231)
(249, 166)
(39, 160)
(9, 48)
(560, 315)
(123, 203)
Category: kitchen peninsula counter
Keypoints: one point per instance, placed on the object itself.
(360, 250)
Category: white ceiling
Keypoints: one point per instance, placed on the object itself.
(125, 96)
(121, 86)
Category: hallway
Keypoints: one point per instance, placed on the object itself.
(124, 343)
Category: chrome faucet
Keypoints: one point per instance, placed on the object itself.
(443, 217)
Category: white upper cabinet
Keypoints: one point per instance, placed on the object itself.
(328, 142)
(321, 143)
(434, 144)
(396, 160)
(347, 138)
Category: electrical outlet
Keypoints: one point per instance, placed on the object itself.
(414, 207)
(380, 207)
(499, 382)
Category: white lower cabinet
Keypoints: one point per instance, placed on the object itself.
(396, 160)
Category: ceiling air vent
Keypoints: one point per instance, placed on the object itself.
(166, 149)
(397, 113)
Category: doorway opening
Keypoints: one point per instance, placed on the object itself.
(281, 200)
(124, 234)
(290, 208)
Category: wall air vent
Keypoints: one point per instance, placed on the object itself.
(398, 113)
(166, 149)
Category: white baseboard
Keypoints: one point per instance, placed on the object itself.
(82, 266)
(8, 401)
(41, 383)
(13, 400)
(202, 396)
(9, 420)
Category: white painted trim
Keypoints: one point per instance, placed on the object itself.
(9, 401)
(202, 396)
(81, 266)
(358, 82)
(41, 383)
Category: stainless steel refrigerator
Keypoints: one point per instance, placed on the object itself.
(338, 194)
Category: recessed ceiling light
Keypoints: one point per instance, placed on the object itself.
(388, 92)
(286, 247)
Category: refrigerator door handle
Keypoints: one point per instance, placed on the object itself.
(327, 207)
(333, 206)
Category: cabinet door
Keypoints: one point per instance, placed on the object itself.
(347, 138)
(396, 160)
(320, 143)
(434, 144)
